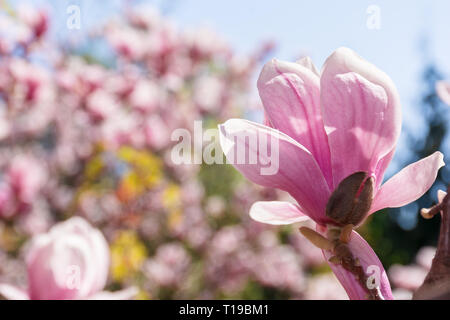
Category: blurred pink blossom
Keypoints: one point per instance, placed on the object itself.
(26, 177)
(408, 279)
(71, 261)
(324, 287)
(37, 20)
(169, 266)
(23, 180)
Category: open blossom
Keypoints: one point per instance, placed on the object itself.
(335, 133)
(71, 261)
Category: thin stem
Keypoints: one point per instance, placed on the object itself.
(342, 255)
(436, 285)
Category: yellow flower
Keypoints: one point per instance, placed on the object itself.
(174, 219)
(171, 200)
(171, 197)
(127, 255)
(145, 172)
(143, 295)
(130, 186)
(94, 168)
(147, 166)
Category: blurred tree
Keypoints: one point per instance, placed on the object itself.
(387, 232)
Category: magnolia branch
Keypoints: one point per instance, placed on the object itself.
(436, 285)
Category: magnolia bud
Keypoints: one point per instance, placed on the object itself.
(350, 202)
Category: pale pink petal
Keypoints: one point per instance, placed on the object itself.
(125, 294)
(277, 212)
(42, 278)
(443, 91)
(381, 168)
(307, 63)
(290, 167)
(371, 266)
(13, 293)
(101, 259)
(266, 121)
(361, 112)
(290, 93)
(94, 278)
(409, 184)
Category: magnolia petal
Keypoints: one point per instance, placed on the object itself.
(290, 93)
(290, 166)
(381, 168)
(266, 121)
(409, 184)
(277, 212)
(307, 63)
(371, 266)
(94, 279)
(361, 113)
(13, 293)
(102, 260)
(443, 91)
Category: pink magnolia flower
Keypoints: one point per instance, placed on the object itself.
(22, 183)
(7, 201)
(324, 287)
(26, 176)
(156, 132)
(409, 278)
(327, 126)
(443, 91)
(36, 20)
(146, 96)
(169, 266)
(128, 42)
(100, 104)
(71, 261)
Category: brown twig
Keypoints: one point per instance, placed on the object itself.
(436, 285)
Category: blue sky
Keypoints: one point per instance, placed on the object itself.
(319, 27)
(314, 27)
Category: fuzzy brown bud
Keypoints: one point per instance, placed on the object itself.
(350, 202)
